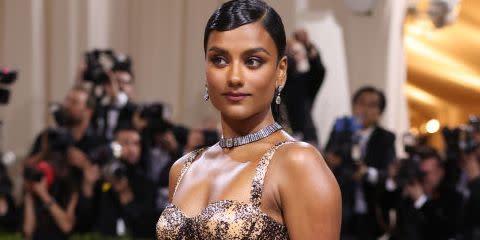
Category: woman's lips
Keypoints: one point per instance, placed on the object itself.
(235, 97)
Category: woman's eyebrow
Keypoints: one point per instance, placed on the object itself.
(247, 52)
(217, 50)
(256, 50)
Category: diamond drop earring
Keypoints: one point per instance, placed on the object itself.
(206, 96)
(278, 100)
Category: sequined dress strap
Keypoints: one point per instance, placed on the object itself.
(261, 171)
(191, 157)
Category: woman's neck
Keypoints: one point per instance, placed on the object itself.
(235, 128)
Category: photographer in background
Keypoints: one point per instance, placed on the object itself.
(160, 149)
(432, 208)
(8, 210)
(74, 118)
(359, 152)
(51, 194)
(75, 114)
(471, 167)
(127, 197)
(304, 78)
(112, 73)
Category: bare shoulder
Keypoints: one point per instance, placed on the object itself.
(178, 165)
(176, 170)
(303, 172)
(304, 163)
(301, 156)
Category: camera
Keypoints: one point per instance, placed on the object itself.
(38, 172)
(61, 116)
(106, 154)
(152, 113)
(58, 113)
(345, 135)
(7, 77)
(32, 174)
(115, 170)
(461, 140)
(100, 62)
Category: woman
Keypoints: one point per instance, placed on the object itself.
(49, 206)
(257, 182)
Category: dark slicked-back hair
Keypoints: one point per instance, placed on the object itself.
(236, 13)
(369, 89)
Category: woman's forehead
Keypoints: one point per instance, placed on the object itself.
(245, 37)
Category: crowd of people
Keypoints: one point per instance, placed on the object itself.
(104, 167)
(428, 195)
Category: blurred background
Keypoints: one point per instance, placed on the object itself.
(423, 55)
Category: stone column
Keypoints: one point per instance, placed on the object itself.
(24, 49)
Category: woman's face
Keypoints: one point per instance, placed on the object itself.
(243, 71)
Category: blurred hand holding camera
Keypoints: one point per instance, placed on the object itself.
(91, 174)
(41, 189)
(3, 206)
(361, 171)
(77, 158)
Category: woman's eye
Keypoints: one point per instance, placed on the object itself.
(254, 62)
(219, 61)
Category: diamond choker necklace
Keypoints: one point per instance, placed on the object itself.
(252, 137)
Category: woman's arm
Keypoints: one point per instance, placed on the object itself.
(64, 218)
(28, 216)
(309, 194)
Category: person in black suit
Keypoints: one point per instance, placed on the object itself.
(127, 198)
(432, 208)
(304, 78)
(471, 228)
(359, 160)
(116, 108)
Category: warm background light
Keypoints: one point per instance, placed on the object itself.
(443, 69)
(432, 126)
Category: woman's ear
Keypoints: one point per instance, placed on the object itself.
(282, 71)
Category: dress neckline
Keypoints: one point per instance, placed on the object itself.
(222, 202)
(256, 185)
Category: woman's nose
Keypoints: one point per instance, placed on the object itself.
(235, 75)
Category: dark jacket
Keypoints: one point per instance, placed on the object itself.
(439, 218)
(138, 215)
(472, 211)
(100, 119)
(379, 153)
(299, 94)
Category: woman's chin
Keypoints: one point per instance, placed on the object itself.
(236, 113)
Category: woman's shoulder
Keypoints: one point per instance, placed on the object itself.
(301, 169)
(190, 156)
(298, 153)
(302, 159)
(176, 169)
